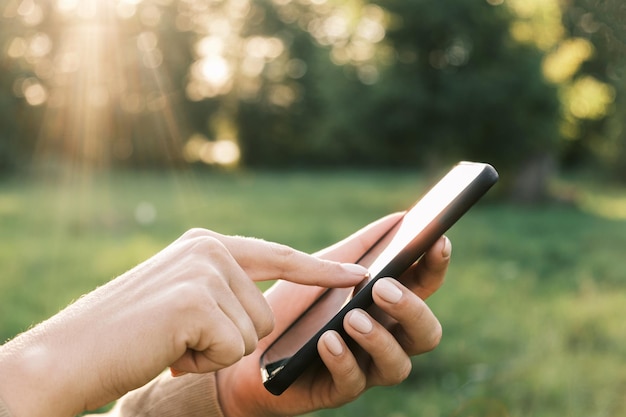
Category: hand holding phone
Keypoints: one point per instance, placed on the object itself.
(296, 349)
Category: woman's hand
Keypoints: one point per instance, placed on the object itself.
(193, 306)
(383, 353)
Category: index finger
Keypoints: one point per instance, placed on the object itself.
(263, 261)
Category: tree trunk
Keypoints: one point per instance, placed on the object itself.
(531, 180)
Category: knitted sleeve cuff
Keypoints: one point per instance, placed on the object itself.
(189, 395)
(4, 410)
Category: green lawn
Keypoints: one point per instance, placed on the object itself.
(533, 310)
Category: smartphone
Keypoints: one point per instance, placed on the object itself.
(402, 245)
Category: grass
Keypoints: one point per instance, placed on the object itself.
(533, 308)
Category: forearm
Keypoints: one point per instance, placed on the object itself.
(62, 367)
(34, 381)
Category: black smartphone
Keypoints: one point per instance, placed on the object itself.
(401, 246)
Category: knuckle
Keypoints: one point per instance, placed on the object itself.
(230, 349)
(250, 344)
(281, 250)
(403, 371)
(247, 333)
(265, 323)
(425, 337)
(204, 251)
(350, 390)
(208, 245)
(203, 242)
(228, 344)
(432, 335)
(194, 233)
(189, 302)
(355, 389)
(395, 372)
(187, 296)
(283, 253)
(434, 338)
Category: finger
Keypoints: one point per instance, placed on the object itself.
(212, 347)
(354, 246)
(256, 310)
(236, 295)
(241, 313)
(416, 329)
(269, 261)
(226, 285)
(348, 379)
(390, 364)
(427, 275)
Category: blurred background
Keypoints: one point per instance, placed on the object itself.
(124, 122)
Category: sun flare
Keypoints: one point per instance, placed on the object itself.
(110, 75)
(101, 75)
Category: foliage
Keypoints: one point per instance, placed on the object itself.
(602, 140)
(316, 83)
(7, 135)
(446, 95)
(449, 68)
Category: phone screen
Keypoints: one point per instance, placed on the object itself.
(396, 251)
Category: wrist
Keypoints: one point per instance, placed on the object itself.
(236, 398)
(224, 392)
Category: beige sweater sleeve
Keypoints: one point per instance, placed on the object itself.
(188, 395)
(4, 411)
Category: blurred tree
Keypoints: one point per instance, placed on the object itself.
(600, 142)
(8, 108)
(18, 119)
(416, 83)
(97, 83)
(300, 116)
(300, 82)
(461, 88)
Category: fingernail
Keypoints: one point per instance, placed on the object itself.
(388, 291)
(176, 373)
(355, 269)
(360, 322)
(447, 248)
(333, 344)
